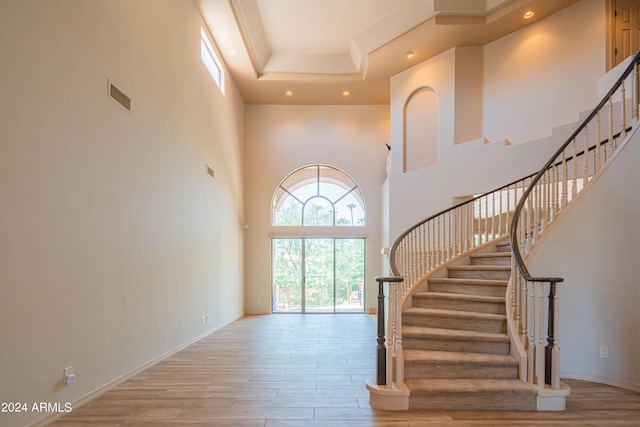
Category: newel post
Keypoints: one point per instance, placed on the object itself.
(552, 350)
(381, 355)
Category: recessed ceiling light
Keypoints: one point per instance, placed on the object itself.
(288, 93)
(409, 54)
(528, 14)
(346, 93)
(233, 51)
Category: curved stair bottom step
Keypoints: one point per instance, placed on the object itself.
(471, 394)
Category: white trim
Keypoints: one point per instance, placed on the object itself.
(210, 52)
(601, 379)
(284, 231)
(387, 398)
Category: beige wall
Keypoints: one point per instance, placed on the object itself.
(280, 139)
(542, 76)
(594, 248)
(114, 241)
(532, 83)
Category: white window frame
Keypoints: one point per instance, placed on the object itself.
(211, 60)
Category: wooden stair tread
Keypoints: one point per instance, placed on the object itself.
(453, 313)
(479, 268)
(455, 358)
(466, 297)
(417, 385)
(453, 334)
(456, 338)
(469, 281)
(492, 255)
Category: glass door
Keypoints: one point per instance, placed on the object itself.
(318, 275)
(319, 265)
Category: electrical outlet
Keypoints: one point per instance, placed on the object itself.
(603, 352)
(69, 376)
(206, 317)
(202, 320)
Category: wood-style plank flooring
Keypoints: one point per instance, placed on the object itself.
(304, 370)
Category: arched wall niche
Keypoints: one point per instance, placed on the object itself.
(420, 130)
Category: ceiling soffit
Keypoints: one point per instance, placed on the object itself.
(314, 50)
(320, 50)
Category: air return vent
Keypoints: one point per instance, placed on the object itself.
(118, 96)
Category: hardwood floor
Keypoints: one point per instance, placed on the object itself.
(304, 370)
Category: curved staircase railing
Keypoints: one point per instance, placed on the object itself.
(524, 209)
(428, 245)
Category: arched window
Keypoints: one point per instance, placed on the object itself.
(318, 195)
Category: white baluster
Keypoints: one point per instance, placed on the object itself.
(449, 239)
(556, 190)
(493, 215)
(586, 155)
(612, 142)
(524, 326)
(513, 286)
(574, 188)
(545, 200)
(423, 248)
(438, 247)
(486, 219)
(398, 345)
(635, 90)
(531, 334)
(623, 131)
(414, 256)
(565, 180)
(555, 352)
(508, 216)
(597, 161)
(500, 215)
(535, 218)
(460, 228)
(473, 224)
(433, 244)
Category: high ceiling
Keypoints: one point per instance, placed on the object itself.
(314, 51)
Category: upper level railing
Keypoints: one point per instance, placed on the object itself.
(560, 180)
(523, 209)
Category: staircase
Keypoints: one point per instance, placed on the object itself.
(464, 324)
(456, 347)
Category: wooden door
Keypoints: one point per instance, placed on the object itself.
(626, 29)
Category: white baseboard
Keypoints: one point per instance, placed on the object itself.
(627, 385)
(128, 375)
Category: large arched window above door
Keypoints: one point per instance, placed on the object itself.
(318, 195)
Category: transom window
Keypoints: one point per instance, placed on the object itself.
(318, 195)
(211, 60)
